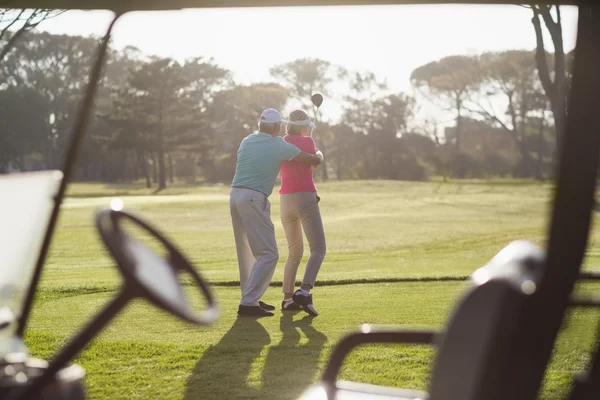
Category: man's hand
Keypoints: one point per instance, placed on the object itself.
(308, 158)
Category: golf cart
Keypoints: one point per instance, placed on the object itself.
(499, 339)
(501, 335)
(29, 209)
(26, 207)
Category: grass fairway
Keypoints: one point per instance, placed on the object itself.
(397, 253)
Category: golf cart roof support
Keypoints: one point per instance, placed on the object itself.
(77, 136)
(571, 214)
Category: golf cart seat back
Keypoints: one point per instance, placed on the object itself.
(25, 207)
(472, 360)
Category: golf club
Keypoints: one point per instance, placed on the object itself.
(317, 100)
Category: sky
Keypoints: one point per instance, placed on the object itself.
(390, 41)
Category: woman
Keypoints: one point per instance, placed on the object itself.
(300, 211)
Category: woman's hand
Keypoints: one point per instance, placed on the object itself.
(319, 154)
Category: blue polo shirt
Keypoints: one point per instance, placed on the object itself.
(258, 161)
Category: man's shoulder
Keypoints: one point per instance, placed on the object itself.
(249, 139)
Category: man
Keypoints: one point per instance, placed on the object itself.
(259, 158)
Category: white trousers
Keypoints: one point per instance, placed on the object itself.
(255, 242)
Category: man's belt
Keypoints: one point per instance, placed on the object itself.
(249, 188)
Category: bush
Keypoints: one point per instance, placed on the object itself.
(497, 165)
(463, 165)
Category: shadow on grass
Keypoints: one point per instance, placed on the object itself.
(225, 369)
(291, 365)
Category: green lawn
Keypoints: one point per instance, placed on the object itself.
(397, 254)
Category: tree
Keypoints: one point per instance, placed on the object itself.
(164, 108)
(22, 112)
(20, 21)
(390, 115)
(204, 80)
(102, 156)
(378, 121)
(342, 153)
(302, 78)
(541, 138)
(359, 114)
(56, 67)
(554, 81)
(487, 150)
(234, 114)
(130, 128)
(451, 81)
(510, 76)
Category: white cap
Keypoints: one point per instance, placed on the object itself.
(303, 123)
(271, 116)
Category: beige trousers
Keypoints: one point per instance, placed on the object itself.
(300, 211)
(255, 242)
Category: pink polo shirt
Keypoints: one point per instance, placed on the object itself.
(296, 176)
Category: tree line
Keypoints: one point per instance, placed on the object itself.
(160, 120)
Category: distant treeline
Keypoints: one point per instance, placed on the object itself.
(161, 120)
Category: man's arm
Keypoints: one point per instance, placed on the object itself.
(307, 158)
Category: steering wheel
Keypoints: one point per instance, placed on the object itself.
(149, 275)
(146, 275)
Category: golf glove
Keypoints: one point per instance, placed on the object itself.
(319, 154)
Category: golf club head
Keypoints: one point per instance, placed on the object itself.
(317, 99)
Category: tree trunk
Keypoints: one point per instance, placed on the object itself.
(540, 151)
(324, 174)
(136, 170)
(171, 166)
(367, 173)
(162, 178)
(560, 117)
(154, 168)
(129, 168)
(193, 168)
(524, 168)
(143, 165)
(555, 91)
(458, 122)
(560, 78)
(339, 165)
(146, 173)
(323, 165)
